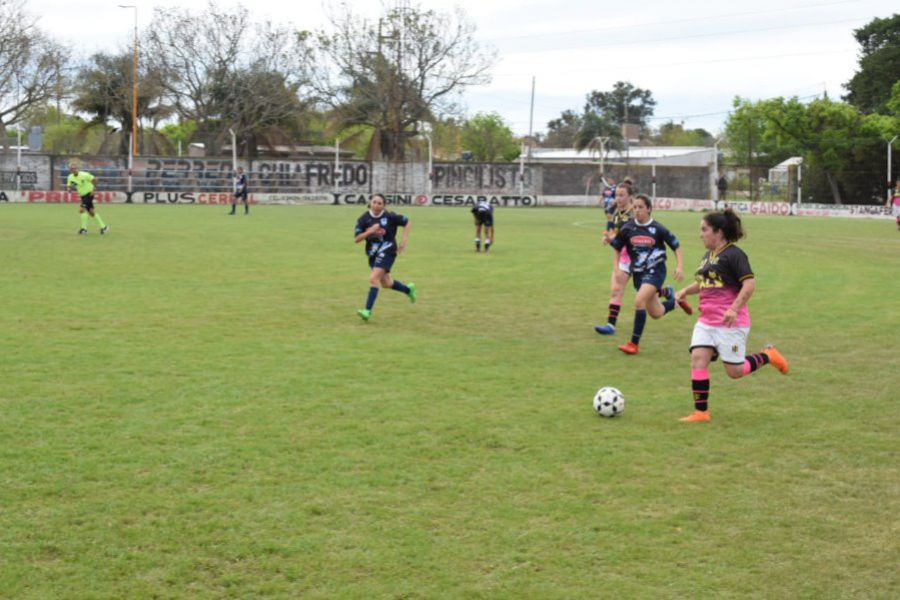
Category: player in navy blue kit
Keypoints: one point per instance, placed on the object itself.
(484, 215)
(378, 228)
(240, 191)
(645, 242)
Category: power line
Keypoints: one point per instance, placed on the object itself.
(571, 32)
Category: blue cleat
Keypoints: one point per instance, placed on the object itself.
(608, 329)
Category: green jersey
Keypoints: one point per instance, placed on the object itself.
(83, 182)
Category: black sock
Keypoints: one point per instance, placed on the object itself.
(613, 313)
(640, 319)
(701, 393)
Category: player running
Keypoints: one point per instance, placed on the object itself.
(484, 215)
(84, 184)
(725, 283)
(645, 240)
(378, 228)
(622, 212)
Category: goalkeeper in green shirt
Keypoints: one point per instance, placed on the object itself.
(83, 182)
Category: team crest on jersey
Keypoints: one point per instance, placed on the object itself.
(383, 221)
(652, 230)
(734, 348)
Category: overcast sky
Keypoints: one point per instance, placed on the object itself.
(694, 56)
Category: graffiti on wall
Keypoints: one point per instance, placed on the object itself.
(479, 177)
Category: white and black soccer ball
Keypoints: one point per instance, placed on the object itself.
(609, 402)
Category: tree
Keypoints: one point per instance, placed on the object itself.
(104, 90)
(603, 116)
(212, 61)
(32, 66)
(489, 138)
(672, 134)
(561, 132)
(879, 65)
(842, 148)
(623, 104)
(408, 67)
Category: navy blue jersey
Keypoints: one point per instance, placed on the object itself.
(645, 244)
(483, 207)
(384, 243)
(240, 183)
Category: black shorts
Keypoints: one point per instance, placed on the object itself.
(655, 276)
(382, 261)
(484, 218)
(87, 202)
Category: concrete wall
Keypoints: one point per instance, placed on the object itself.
(315, 176)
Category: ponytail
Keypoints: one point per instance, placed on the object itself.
(728, 222)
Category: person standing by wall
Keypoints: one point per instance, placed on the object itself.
(240, 191)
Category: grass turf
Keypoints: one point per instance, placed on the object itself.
(190, 407)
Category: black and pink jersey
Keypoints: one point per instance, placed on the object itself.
(720, 277)
(645, 243)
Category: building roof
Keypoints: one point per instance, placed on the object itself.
(661, 155)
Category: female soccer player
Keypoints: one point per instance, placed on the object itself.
(725, 282)
(378, 228)
(240, 191)
(622, 211)
(484, 215)
(645, 241)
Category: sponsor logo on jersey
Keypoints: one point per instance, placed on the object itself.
(642, 240)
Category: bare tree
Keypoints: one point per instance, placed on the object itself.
(31, 65)
(225, 72)
(409, 66)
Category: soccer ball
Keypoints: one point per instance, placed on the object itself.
(609, 402)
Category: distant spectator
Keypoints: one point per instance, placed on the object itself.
(722, 186)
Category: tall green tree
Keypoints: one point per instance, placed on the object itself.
(623, 104)
(407, 67)
(842, 148)
(879, 65)
(489, 138)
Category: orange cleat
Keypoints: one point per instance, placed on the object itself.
(698, 416)
(629, 348)
(776, 359)
(686, 306)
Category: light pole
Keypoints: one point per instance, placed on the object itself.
(430, 162)
(890, 181)
(714, 184)
(337, 163)
(134, 88)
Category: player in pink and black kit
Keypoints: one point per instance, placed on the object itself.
(725, 283)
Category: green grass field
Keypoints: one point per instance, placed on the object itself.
(190, 408)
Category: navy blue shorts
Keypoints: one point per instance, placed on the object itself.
(655, 276)
(484, 218)
(382, 261)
